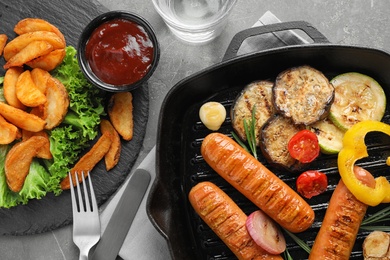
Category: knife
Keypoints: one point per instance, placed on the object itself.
(123, 216)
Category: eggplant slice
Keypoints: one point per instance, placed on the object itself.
(256, 94)
(275, 135)
(303, 94)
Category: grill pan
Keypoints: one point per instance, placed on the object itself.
(180, 166)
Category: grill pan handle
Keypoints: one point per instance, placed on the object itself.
(239, 38)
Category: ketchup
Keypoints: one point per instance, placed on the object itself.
(119, 52)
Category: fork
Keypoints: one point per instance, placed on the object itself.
(86, 223)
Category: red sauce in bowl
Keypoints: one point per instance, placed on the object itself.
(119, 52)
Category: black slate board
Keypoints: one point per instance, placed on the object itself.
(53, 212)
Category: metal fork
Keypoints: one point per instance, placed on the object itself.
(86, 223)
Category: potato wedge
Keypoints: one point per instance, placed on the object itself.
(120, 111)
(57, 103)
(21, 118)
(36, 24)
(49, 61)
(3, 41)
(38, 111)
(44, 152)
(112, 156)
(88, 161)
(40, 78)
(18, 160)
(32, 51)
(9, 87)
(21, 41)
(27, 92)
(8, 132)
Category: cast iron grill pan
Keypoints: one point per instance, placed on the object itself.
(180, 165)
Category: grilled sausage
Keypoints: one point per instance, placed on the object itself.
(341, 223)
(257, 183)
(227, 220)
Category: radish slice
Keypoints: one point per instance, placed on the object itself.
(265, 232)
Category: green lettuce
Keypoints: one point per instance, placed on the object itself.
(8, 198)
(80, 125)
(67, 141)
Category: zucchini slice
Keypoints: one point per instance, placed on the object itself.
(330, 137)
(256, 94)
(303, 94)
(358, 97)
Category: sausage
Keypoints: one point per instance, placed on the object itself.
(227, 220)
(341, 223)
(257, 183)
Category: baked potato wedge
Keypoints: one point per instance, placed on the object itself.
(18, 160)
(36, 24)
(21, 118)
(3, 42)
(40, 78)
(44, 152)
(111, 158)
(8, 132)
(27, 92)
(120, 111)
(49, 61)
(9, 87)
(88, 161)
(33, 50)
(21, 41)
(57, 103)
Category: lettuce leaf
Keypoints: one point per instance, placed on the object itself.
(35, 185)
(8, 198)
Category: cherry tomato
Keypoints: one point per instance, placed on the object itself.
(303, 146)
(312, 183)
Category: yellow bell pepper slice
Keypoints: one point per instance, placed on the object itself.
(354, 148)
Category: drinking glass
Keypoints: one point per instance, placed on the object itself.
(195, 21)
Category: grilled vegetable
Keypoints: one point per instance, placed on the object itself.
(330, 137)
(358, 98)
(256, 95)
(227, 220)
(376, 246)
(275, 136)
(311, 183)
(354, 148)
(256, 182)
(303, 146)
(265, 232)
(303, 94)
(212, 114)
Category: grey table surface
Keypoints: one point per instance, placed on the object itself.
(352, 22)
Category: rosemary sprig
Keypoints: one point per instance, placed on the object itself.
(250, 132)
(241, 143)
(287, 255)
(299, 241)
(378, 217)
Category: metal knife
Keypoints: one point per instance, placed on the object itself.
(123, 216)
